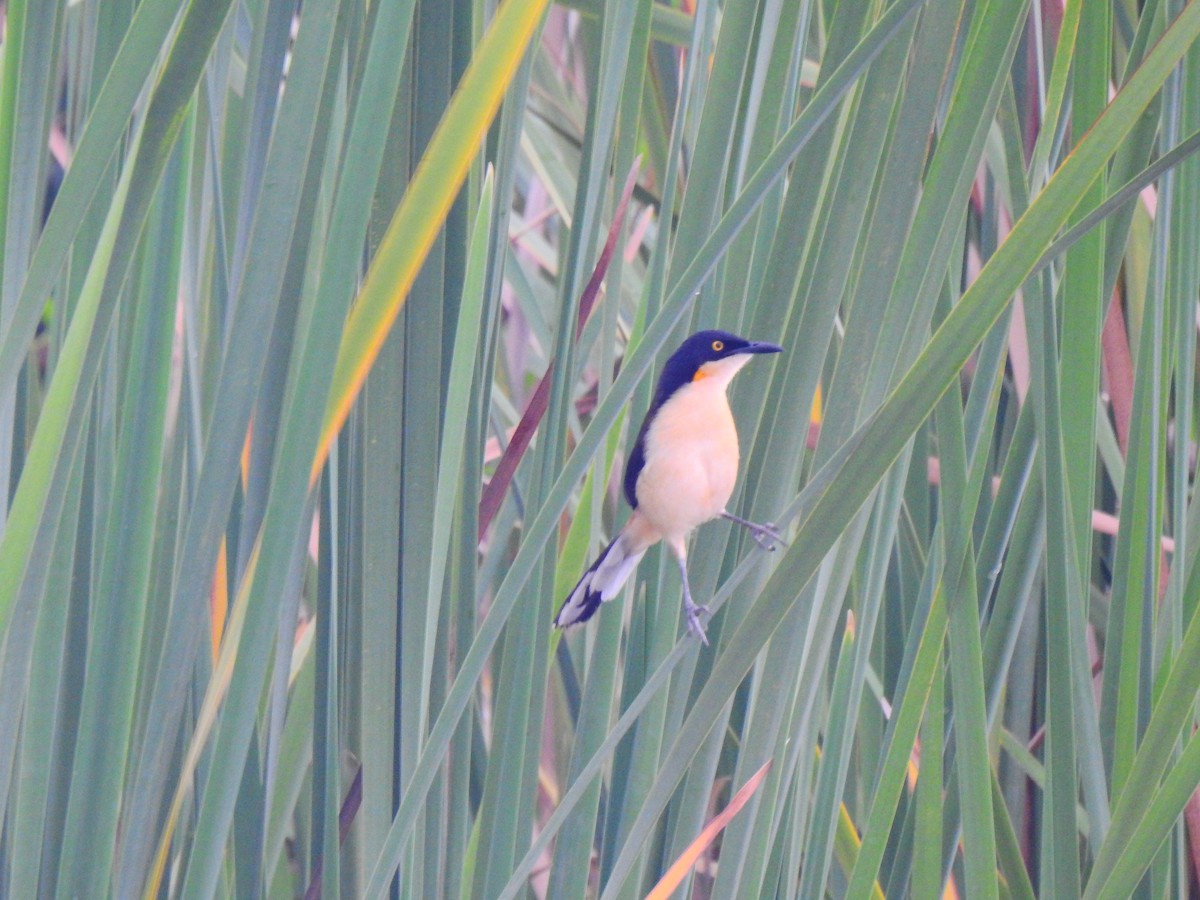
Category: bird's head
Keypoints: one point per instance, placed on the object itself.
(710, 354)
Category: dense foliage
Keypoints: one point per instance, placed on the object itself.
(324, 329)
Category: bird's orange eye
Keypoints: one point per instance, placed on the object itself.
(718, 345)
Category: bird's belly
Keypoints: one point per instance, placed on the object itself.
(691, 461)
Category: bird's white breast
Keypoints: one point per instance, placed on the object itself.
(691, 464)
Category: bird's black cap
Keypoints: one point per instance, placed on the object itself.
(703, 347)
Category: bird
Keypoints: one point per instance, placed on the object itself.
(679, 474)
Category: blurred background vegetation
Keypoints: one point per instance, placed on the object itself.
(323, 327)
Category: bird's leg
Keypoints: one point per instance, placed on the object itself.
(766, 536)
(690, 609)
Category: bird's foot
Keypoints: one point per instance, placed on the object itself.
(766, 535)
(693, 613)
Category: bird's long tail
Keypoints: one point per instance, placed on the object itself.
(603, 580)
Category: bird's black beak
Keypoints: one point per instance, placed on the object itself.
(762, 347)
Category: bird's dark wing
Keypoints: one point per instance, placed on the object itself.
(676, 373)
(637, 459)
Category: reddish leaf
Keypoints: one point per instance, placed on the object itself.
(1118, 369)
(497, 486)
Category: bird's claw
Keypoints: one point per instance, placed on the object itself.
(693, 612)
(766, 536)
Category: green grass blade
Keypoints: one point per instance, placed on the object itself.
(118, 611)
(927, 879)
(56, 417)
(294, 150)
(111, 111)
(42, 773)
(1162, 811)
(831, 774)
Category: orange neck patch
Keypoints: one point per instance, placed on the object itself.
(700, 375)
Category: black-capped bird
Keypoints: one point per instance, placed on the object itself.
(680, 473)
